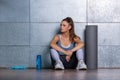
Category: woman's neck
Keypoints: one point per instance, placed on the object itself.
(66, 34)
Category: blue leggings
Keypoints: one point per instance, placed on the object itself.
(55, 54)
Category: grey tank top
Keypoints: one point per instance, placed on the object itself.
(69, 47)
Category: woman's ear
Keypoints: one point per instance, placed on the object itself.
(69, 27)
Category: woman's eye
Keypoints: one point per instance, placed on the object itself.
(64, 25)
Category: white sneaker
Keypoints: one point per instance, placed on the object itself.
(59, 66)
(81, 65)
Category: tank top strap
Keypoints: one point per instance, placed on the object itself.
(59, 36)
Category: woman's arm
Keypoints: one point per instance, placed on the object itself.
(55, 46)
(79, 44)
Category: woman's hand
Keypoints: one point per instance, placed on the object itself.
(69, 52)
(67, 58)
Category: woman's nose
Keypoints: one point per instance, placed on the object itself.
(61, 27)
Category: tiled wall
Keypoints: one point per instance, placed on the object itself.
(27, 26)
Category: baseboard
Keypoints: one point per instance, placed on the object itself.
(27, 68)
(52, 68)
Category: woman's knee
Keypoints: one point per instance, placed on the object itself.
(79, 50)
(51, 49)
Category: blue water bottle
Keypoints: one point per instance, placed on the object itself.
(38, 62)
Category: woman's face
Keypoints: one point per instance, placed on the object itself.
(64, 26)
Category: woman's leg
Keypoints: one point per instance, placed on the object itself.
(56, 58)
(79, 54)
(80, 57)
(55, 55)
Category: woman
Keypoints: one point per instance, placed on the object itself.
(67, 43)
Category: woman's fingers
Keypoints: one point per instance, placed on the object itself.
(67, 58)
(69, 53)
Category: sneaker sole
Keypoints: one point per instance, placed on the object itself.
(58, 69)
(83, 69)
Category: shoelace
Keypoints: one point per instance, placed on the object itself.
(59, 63)
(81, 63)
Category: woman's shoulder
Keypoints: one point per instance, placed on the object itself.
(57, 36)
(76, 38)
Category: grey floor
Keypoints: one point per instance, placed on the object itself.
(48, 74)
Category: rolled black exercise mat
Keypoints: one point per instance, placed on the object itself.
(91, 49)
